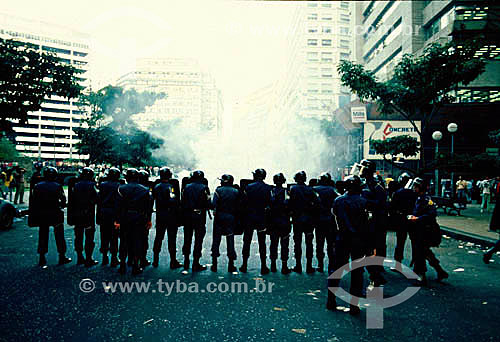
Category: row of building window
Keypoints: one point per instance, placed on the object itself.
(439, 24)
(381, 19)
(384, 41)
(327, 17)
(327, 29)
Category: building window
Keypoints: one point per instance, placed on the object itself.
(312, 56)
(56, 50)
(344, 30)
(312, 16)
(326, 42)
(345, 18)
(345, 56)
(344, 44)
(344, 4)
(312, 42)
(312, 4)
(312, 29)
(326, 17)
(327, 29)
(326, 57)
(326, 72)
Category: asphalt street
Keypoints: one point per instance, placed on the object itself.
(47, 304)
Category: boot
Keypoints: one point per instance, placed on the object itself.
(214, 265)
(186, 263)
(63, 260)
(174, 264)
(421, 280)
(230, 267)
(114, 261)
(80, 260)
(284, 268)
(441, 274)
(197, 267)
(156, 259)
(309, 268)
(263, 267)
(487, 256)
(42, 261)
(273, 266)
(136, 270)
(321, 266)
(298, 266)
(90, 262)
(244, 266)
(123, 268)
(331, 303)
(105, 259)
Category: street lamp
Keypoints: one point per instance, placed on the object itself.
(452, 128)
(437, 135)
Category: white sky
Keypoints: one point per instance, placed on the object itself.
(242, 43)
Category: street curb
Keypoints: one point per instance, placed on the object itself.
(470, 237)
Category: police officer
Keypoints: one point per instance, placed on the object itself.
(258, 199)
(402, 205)
(83, 202)
(303, 203)
(325, 223)
(374, 192)
(36, 177)
(144, 181)
(423, 220)
(226, 202)
(106, 215)
(46, 209)
(279, 224)
(133, 218)
(195, 202)
(167, 209)
(351, 214)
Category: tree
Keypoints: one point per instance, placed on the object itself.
(27, 77)
(108, 134)
(402, 144)
(420, 85)
(8, 150)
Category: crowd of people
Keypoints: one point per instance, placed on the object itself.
(12, 182)
(351, 217)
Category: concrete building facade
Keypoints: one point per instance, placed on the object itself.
(49, 133)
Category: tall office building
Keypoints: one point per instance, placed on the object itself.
(49, 133)
(190, 92)
(322, 36)
(391, 29)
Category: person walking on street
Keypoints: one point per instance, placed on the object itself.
(495, 226)
(485, 187)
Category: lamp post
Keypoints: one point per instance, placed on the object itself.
(437, 135)
(452, 128)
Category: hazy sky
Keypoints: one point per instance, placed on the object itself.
(242, 43)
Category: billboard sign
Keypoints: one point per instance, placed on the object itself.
(358, 114)
(381, 130)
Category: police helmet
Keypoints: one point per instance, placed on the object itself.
(38, 166)
(132, 175)
(418, 182)
(114, 174)
(300, 177)
(165, 173)
(50, 173)
(279, 179)
(325, 179)
(226, 180)
(352, 184)
(259, 174)
(197, 175)
(143, 177)
(87, 173)
(404, 178)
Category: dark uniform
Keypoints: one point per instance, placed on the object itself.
(167, 211)
(375, 193)
(351, 214)
(402, 205)
(46, 209)
(425, 213)
(257, 201)
(144, 181)
(226, 202)
(195, 203)
(325, 224)
(134, 207)
(106, 216)
(303, 203)
(84, 201)
(279, 224)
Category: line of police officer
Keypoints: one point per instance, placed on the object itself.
(353, 224)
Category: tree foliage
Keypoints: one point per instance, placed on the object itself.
(108, 134)
(399, 145)
(8, 150)
(27, 77)
(420, 85)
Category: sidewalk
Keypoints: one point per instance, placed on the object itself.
(472, 225)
